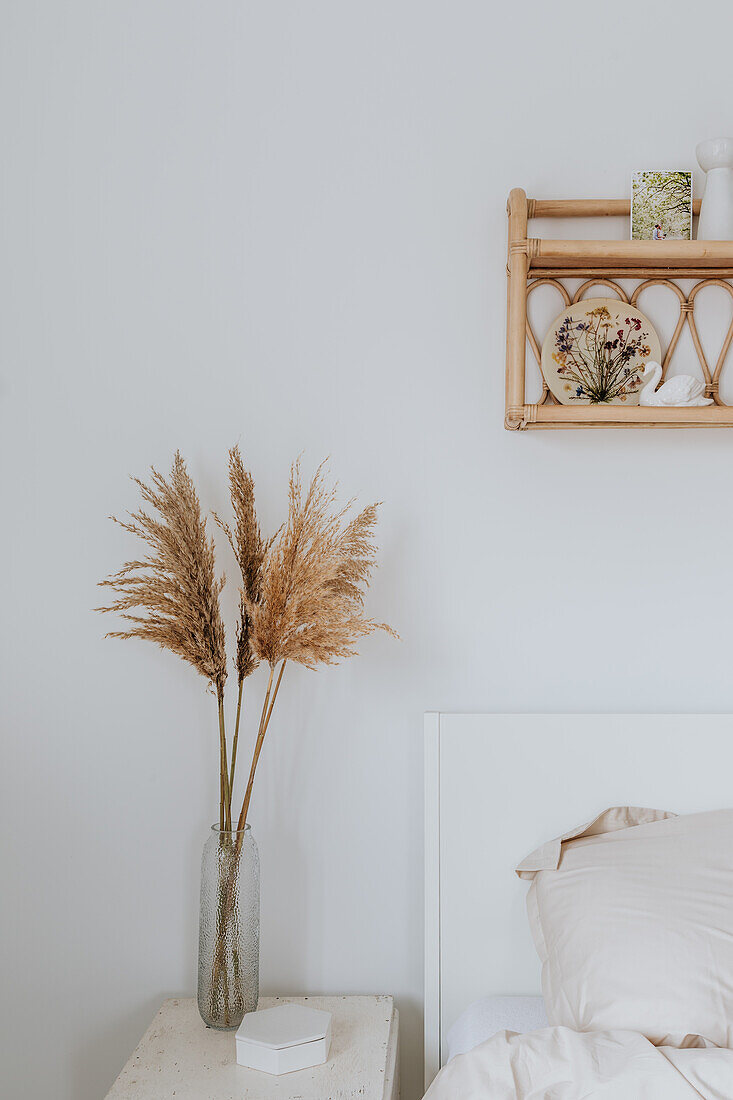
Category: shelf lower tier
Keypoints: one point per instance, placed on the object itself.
(618, 416)
(656, 273)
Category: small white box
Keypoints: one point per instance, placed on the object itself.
(284, 1038)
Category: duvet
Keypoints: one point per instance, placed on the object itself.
(559, 1064)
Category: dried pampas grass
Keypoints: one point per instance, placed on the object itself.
(177, 588)
(176, 584)
(301, 595)
(310, 608)
(249, 549)
(315, 574)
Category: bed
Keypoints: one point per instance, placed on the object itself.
(498, 785)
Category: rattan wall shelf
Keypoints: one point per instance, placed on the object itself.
(534, 262)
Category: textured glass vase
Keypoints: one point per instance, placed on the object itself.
(229, 928)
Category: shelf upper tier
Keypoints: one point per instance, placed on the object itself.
(583, 208)
(708, 256)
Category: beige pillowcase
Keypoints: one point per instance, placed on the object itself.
(632, 917)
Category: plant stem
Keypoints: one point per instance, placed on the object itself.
(264, 722)
(255, 756)
(226, 899)
(227, 871)
(225, 807)
(221, 777)
(234, 746)
(274, 697)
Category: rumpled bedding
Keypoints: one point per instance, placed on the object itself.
(560, 1064)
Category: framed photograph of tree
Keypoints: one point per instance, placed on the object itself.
(661, 206)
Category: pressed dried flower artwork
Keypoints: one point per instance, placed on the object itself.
(595, 353)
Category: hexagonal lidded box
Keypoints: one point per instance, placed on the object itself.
(283, 1039)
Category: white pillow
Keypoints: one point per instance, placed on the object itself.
(632, 917)
(484, 1018)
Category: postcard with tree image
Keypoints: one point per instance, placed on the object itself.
(661, 206)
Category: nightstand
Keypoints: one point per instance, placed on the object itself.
(178, 1058)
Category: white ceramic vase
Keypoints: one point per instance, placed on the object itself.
(715, 157)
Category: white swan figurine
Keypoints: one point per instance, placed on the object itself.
(682, 389)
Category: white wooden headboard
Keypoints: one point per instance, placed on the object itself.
(496, 786)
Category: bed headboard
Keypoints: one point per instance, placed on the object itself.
(496, 786)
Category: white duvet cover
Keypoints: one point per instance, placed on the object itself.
(559, 1064)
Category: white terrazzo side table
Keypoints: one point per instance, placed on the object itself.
(180, 1059)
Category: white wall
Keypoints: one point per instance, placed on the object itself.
(283, 224)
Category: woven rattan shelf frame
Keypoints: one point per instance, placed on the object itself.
(533, 262)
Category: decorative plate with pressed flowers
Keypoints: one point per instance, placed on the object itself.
(595, 353)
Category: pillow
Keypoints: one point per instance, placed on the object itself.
(632, 917)
(484, 1018)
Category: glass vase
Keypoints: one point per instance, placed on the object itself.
(229, 928)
